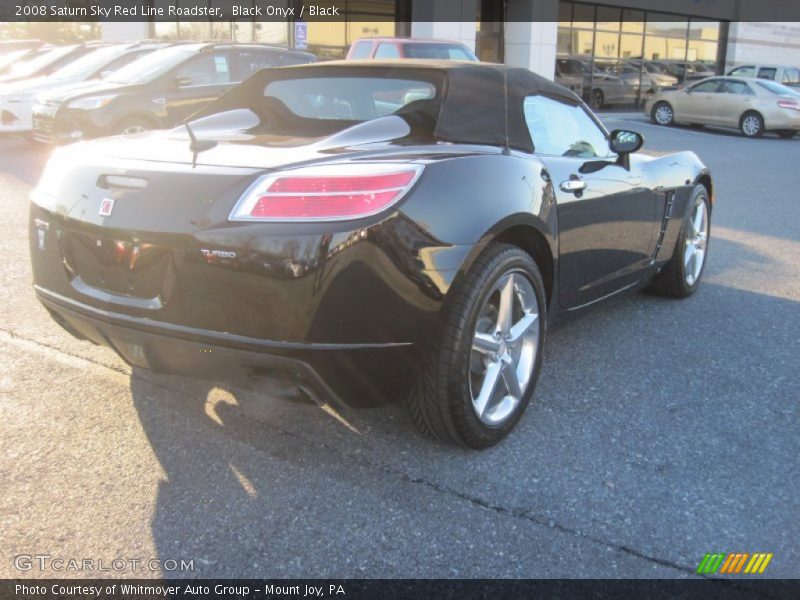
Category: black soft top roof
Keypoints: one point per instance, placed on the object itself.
(480, 103)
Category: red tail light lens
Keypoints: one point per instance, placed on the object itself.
(326, 193)
(791, 104)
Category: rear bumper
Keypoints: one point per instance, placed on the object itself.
(351, 374)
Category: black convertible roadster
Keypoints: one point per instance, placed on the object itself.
(368, 230)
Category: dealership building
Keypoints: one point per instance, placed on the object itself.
(540, 35)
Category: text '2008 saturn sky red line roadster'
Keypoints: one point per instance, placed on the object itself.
(374, 230)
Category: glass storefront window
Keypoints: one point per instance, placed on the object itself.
(606, 45)
(669, 27)
(630, 46)
(704, 30)
(583, 16)
(624, 54)
(608, 18)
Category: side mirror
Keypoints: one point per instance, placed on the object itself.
(624, 142)
(182, 81)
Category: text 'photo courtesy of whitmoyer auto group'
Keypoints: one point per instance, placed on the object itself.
(400, 299)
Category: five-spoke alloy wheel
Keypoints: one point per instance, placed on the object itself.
(504, 348)
(481, 375)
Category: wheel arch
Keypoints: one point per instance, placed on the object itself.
(530, 237)
(138, 114)
(704, 179)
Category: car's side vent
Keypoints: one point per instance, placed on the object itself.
(670, 200)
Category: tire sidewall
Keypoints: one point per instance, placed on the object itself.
(459, 395)
(680, 249)
(656, 107)
(760, 131)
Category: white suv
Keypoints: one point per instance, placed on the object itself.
(786, 75)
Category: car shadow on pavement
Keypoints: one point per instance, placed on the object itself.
(258, 485)
(23, 159)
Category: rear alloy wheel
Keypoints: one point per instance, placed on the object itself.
(596, 99)
(481, 377)
(786, 134)
(681, 275)
(752, 125)
(662, 114)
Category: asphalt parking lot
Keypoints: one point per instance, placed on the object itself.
(660, 431)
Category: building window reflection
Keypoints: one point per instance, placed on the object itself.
(616, 56)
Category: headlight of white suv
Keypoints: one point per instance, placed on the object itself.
(92, 102)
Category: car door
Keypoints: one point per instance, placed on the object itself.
(196, 82)
(697, 102)
(608, 223)
(733, 99)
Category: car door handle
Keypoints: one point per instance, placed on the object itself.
(573, 185)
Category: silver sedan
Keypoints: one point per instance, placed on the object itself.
(753, 106)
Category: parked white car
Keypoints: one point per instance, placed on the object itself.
(17, 98)
(789, 76)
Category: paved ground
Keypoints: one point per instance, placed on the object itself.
(660, 431)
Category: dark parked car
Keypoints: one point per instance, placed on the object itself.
(154, 92)
(302, 226)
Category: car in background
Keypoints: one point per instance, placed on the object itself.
(17, 99)
(157, 91)
(653, 76)
(685, 71)
(602, 82)
(9, 59)
(382, 48)
(754, 106)
(44, 63)
(786, 75)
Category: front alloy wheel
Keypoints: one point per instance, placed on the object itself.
(480, 377)
(663, 114)
(681, 275)
(752, 125)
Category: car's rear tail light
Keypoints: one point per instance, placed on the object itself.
(333, 192)
(790, 104)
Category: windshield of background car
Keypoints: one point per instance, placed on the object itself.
(151, 66)
(88, 64)
(41, 60)
(438, 51)
(777, 88)
(347, 98)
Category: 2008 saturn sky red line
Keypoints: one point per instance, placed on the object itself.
(373, 230)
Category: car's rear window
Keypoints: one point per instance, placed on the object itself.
(777, 88)
(347, 98)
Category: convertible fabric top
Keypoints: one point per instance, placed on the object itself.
(477, 103)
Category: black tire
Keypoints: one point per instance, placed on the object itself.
(667, 108)
(786, 134)
(441, 403)
(596, 99)
(671, 281)
(128, 125)
(748, 118)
